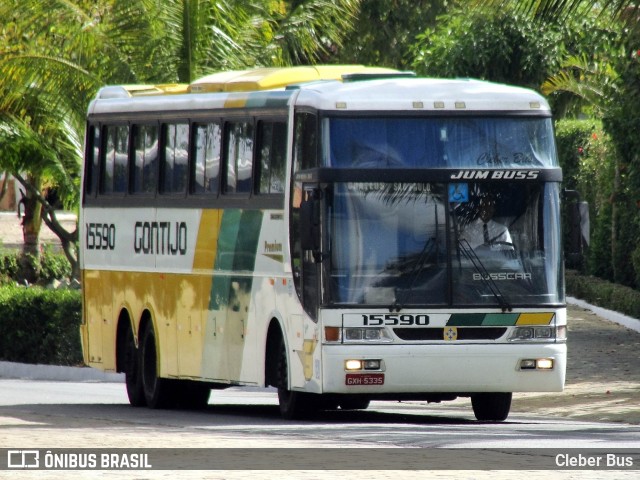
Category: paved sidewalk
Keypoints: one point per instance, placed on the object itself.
(11, 230)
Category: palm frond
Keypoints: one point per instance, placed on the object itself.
(592, 81)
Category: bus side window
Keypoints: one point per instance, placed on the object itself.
(114, 172)
(144, 169)
(206, 165)
(92, 164)
(239, 157)
(175, 158)
(271, 157)
(305, 141)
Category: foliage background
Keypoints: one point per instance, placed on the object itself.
(40, 326)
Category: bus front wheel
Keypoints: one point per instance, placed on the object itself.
(293, 405)
(491, 407)
(158, 392)
(354, 403)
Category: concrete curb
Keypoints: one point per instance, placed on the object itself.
(56, 373)
(612, 316)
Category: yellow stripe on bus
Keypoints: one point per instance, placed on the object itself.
(543, 318)
(236, 102)
(207, 241)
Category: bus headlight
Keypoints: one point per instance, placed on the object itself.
(536, 364)
(356, 334)
(368, 364)
(538, 334)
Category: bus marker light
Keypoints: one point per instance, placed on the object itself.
(372, 364)
(561, 332)
(332, 334)
(528, 364)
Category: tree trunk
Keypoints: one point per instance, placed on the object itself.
(617, 181)
(46, 213)
(31, 211)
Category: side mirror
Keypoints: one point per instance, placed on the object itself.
(578, 224)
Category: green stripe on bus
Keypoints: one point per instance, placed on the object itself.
(237, 248)
(501, 319)
(482, 319)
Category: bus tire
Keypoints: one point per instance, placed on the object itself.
(158, 392)
(293, 405)
(132, 371)
(354, 403)
(491, 407)
(192, 395)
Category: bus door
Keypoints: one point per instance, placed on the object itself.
(231, 293)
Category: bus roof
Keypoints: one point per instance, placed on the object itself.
(421, 94)
(339, 88)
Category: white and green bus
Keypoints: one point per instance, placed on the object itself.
(343, 234)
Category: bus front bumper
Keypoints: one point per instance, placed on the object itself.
(468, 368)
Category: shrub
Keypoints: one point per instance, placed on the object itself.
(40, 326)
(604, 294)
(588, 166)
(51, 266)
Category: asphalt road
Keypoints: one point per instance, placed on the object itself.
(47, 415)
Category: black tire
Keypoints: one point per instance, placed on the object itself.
(354, 403)
(158, 392)
(491, 407)
(192, 395)
(293, 405)
(132, 372)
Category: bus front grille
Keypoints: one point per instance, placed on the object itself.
(464, 333)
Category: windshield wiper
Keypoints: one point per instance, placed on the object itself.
(485, 277)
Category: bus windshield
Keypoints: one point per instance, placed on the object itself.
(417, 244)
(439, 142)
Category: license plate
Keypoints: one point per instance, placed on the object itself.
(353, 379)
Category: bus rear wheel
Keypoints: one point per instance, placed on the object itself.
(132, 372)
(491, 407)
(158, 392)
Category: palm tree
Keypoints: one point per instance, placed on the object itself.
(609, 84)
(559, 9)
(58, 52)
